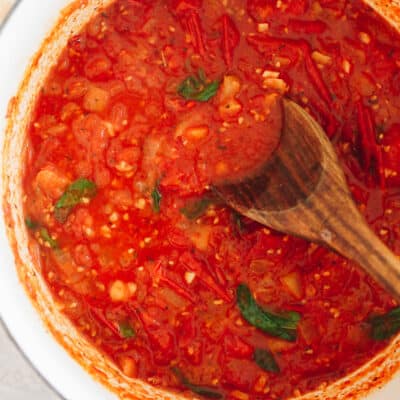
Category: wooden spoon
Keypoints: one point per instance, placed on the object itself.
(302, 191)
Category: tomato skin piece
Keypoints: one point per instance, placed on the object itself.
(100, 315)
(260, 10)
(335, 5)
(367, 134)
(184, 5)
(163, 345)
(371, 151)
(194, 352)
(307, 27)
(240, 374)
(178, 289)
(192, 25)
(230, 39)
(391, 158)
(187, 330)
(316, 79)
(298, 7)
(191, 263)
(236, 347)
(292, 48)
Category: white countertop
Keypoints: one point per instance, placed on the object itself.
(18, 380)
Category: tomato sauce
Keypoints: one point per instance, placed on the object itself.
(148, 106)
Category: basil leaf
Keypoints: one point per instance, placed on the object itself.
(179, 374)
(196, 209)
(45, 235)
(126, 330)
(30, 224)
(198, 88)
(74, 194)
(385, 326)
(189, 87)
(156, 197)
(200, 390)
(283, 326)
(207, 93)
(265, 360)
(43, 232)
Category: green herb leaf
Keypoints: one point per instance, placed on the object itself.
(156, 196)
(126, 330)
(198, 88)
(283, 326)
(196, 209)
(265, 360)
(74, 194)
(200, 390)
(43, 232)
(209, 91)
(30, 224)
(385, 326)
(45, 235)
(179, 374)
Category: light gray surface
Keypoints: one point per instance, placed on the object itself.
(18, 380)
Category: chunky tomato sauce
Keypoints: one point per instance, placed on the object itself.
(147, 107)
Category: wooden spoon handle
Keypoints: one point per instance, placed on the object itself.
(347, 233)
(378, 261)
(330, 216)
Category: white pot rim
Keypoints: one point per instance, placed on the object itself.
(21, 320)
(24, 325)
(3, 323)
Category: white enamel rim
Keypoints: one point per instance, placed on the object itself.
(20, 38)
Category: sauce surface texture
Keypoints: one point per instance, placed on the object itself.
(147, 107)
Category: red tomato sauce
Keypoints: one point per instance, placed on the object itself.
(147, 107)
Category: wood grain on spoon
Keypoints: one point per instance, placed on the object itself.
(302, 191)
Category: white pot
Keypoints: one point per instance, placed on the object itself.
(20, 39)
